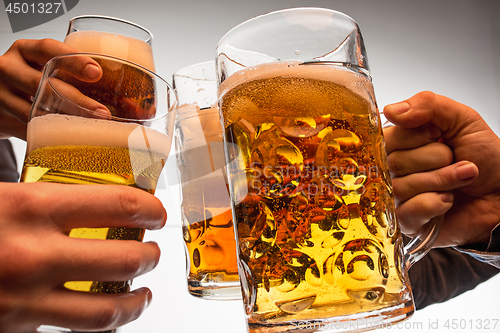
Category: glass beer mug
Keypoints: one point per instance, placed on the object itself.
(319, 247)
(207, 224)
(116, 130)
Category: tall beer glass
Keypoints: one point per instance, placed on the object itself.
(319, 247)
(111, 36)
(116, 130)
(207, 223)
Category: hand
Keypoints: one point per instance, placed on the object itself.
(20, 74)
(38, 257)
(444, 159)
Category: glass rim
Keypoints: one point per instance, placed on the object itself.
(258, 17)
(112, 18)
(170, 90)
(184, 71)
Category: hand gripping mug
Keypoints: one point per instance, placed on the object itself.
(319, 247)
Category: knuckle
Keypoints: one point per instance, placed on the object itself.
(44, 45)
(31, 200)
(427, 96)
(4, 64)
(393, 164)
(129, 203)
(397, 190)
(17, 276)
(18, 44)
(133, 263)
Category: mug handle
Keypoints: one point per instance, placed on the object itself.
(421, 243)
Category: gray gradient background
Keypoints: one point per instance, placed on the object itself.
(449, 47)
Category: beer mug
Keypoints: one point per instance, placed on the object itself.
(207, 224)
(319, 247)
(116, 130)
(111, 36)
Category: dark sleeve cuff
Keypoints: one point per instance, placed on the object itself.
(489, 253)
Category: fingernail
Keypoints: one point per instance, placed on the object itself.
(92, 71)
(103, 111)
(150, 298)
(446, 197)
(400, 108)
(466, 171)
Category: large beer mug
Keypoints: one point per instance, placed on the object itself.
(116, 130)
(111, 36)
(207, 224)
(319, 247)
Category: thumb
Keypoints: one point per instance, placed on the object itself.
(427, 107)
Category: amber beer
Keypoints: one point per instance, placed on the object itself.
(314, 211)
(206, 216)
(95, 151)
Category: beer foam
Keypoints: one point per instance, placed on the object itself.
(325, 72)
(64, 130)
(199, 126)
(112, 44)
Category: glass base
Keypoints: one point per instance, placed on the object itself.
(54, 329)
(360, 322)
(223, 291)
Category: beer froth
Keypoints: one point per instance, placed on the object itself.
(65, 130)
(113, 44)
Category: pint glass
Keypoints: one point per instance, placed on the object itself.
(319, 247)
(111, 36)
(207, 223)
(116, 130)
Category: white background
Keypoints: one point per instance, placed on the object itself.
(451, 47)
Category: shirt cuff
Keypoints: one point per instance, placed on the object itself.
(489, 253)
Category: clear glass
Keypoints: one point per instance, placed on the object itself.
(111, 36)
(116, 130)
(207, 223)
(319, 247)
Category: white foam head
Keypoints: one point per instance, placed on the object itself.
(112, 44)
(64, 130)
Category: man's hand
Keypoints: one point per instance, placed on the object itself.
(20, 74)
(444, 159)
(38, 257)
